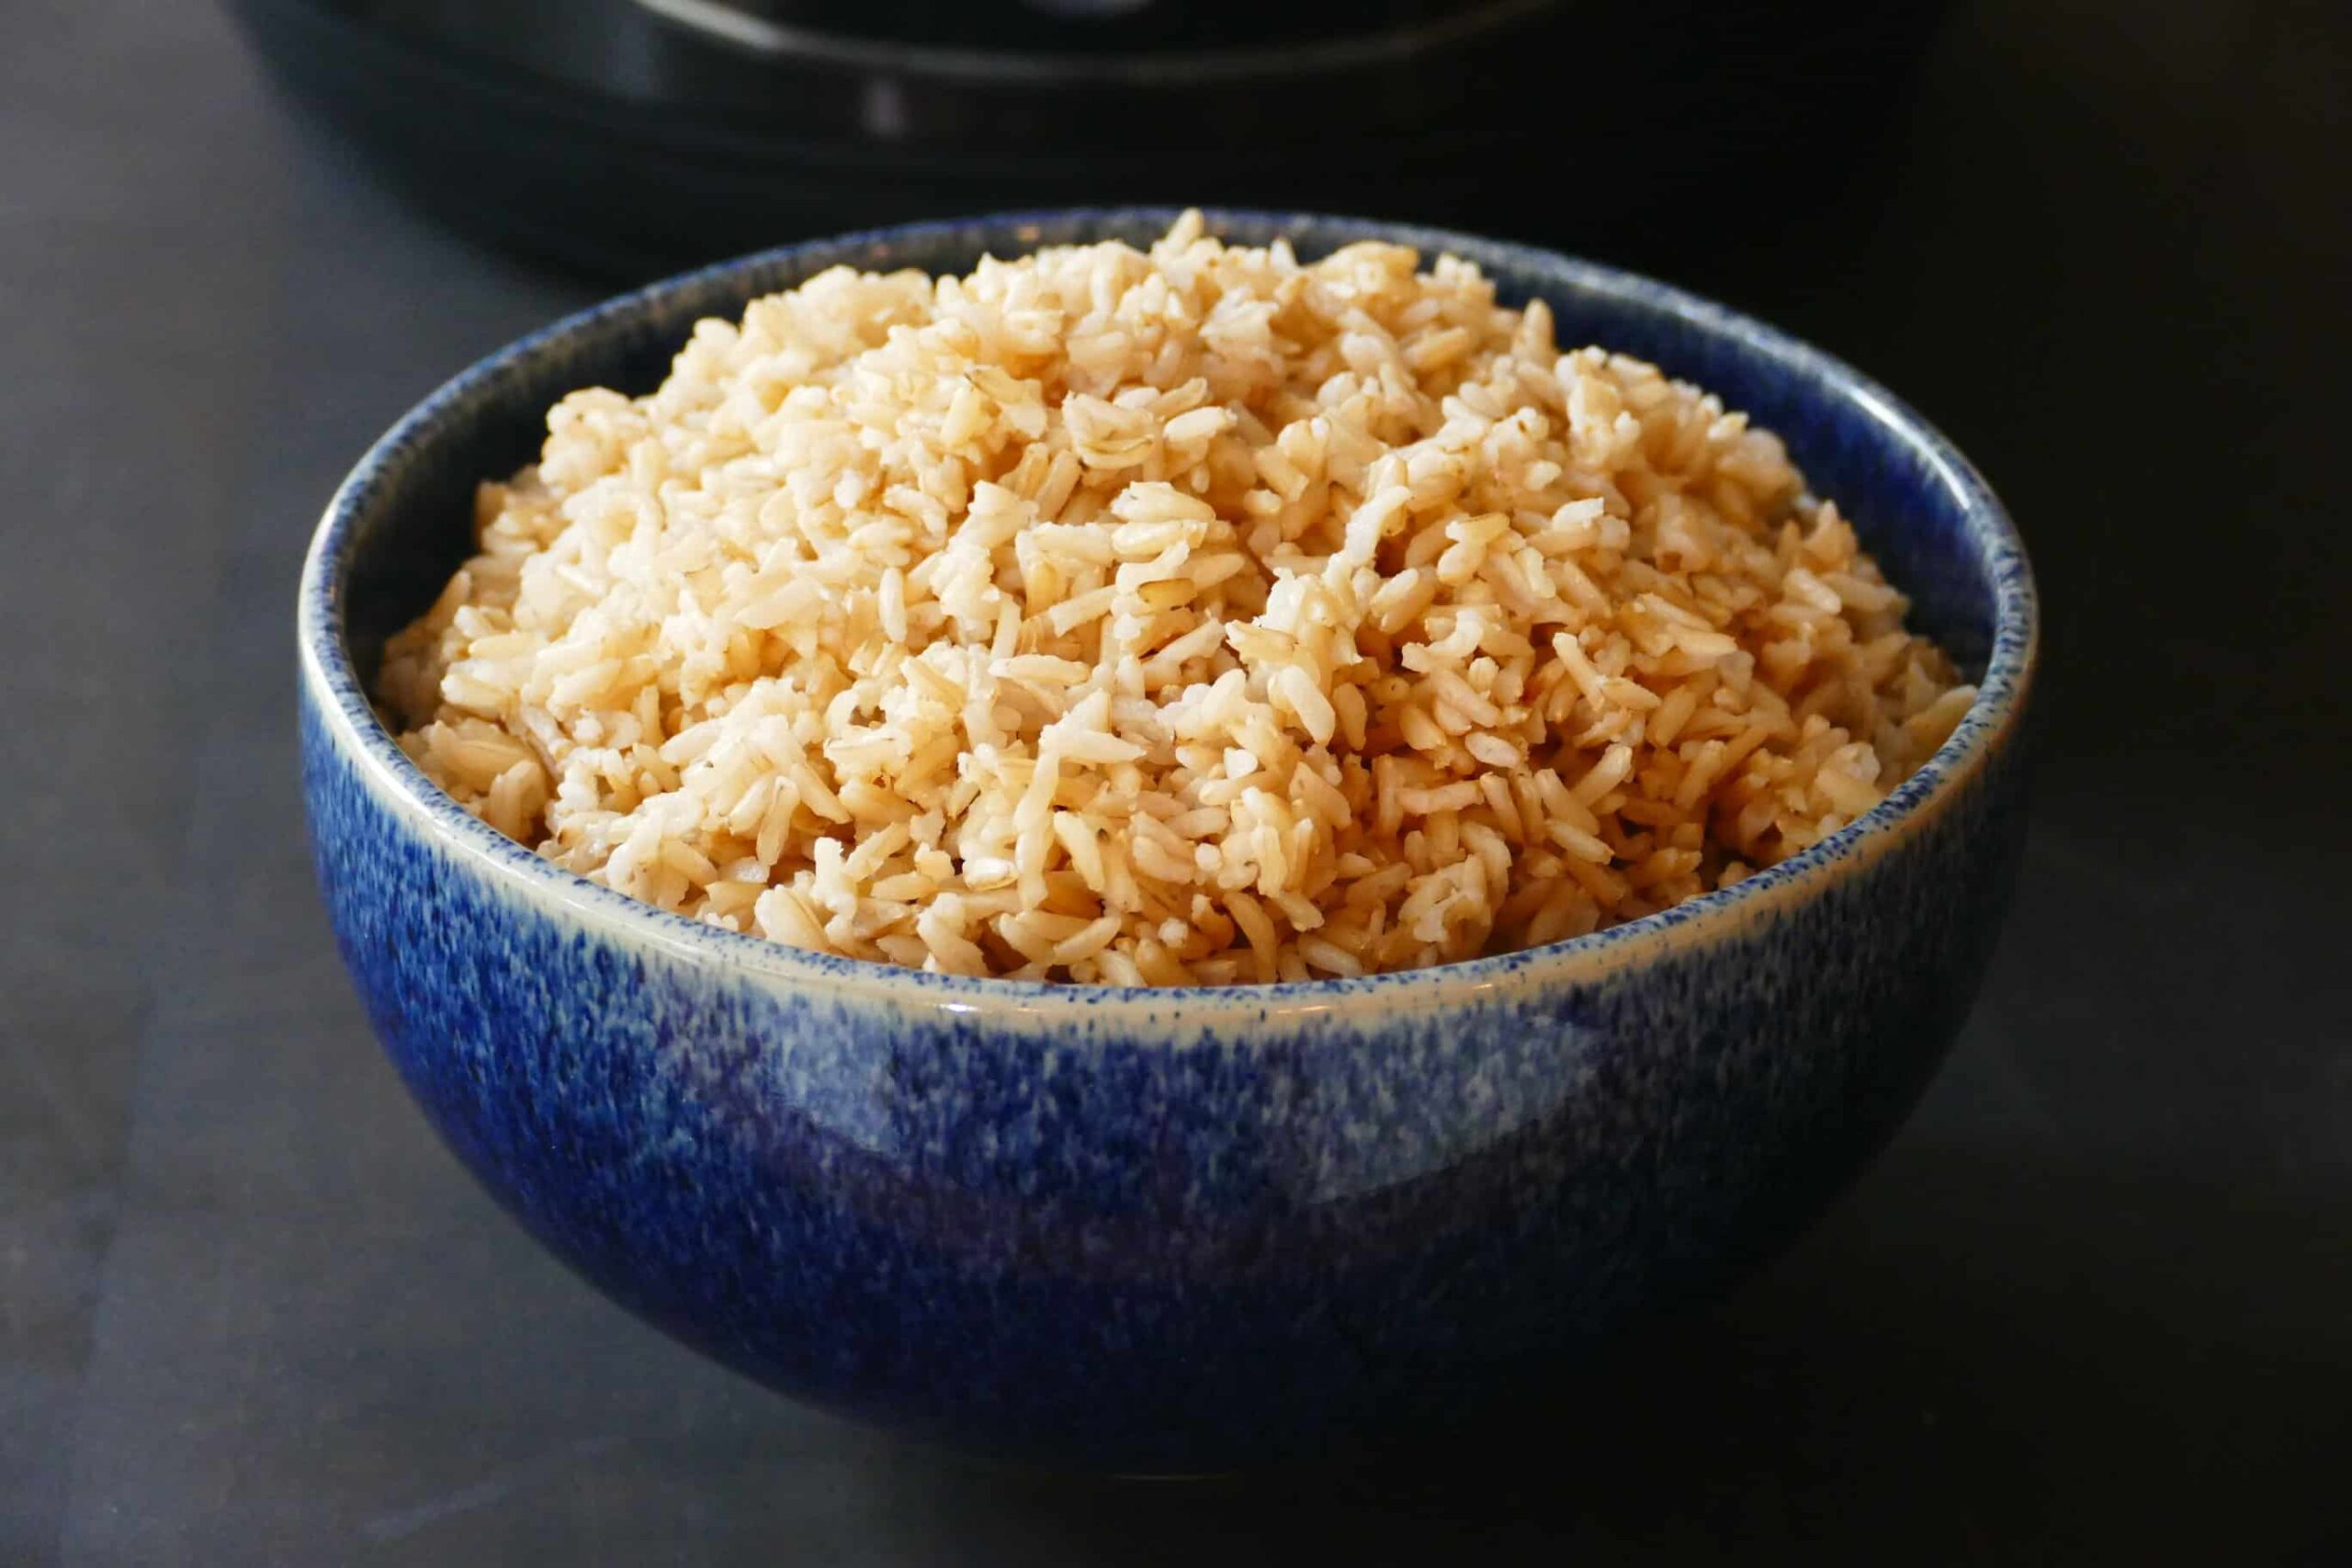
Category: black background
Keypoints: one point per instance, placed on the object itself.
(2094, 1304)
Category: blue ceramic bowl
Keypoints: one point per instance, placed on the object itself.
(1173, 1230)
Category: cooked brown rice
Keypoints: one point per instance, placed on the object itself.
(1189, 618)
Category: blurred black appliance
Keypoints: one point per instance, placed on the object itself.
(630, 137)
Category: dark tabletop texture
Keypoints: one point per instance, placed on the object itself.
(2094, 1304)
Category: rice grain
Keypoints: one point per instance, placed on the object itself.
(1195, 615)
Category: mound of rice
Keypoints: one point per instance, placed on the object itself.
(1190, 617)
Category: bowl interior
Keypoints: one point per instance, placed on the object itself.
(1915, 504)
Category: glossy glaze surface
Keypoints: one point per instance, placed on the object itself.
(1163, 1231)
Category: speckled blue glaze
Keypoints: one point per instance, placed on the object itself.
(1162, 1231)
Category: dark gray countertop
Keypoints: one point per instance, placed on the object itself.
(2095, 1301)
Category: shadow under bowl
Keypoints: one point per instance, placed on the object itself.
(1175, 1231)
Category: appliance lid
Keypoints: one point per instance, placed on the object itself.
(1106, 43)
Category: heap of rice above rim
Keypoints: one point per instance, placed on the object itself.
(1189, 616)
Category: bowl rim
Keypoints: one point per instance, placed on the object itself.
(330, 682)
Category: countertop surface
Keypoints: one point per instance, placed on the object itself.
(2095, 1304)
